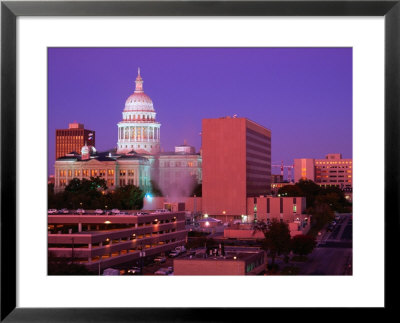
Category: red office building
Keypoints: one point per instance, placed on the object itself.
(73, 139)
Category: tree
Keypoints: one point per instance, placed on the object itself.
(276, 237)
(310, 190)
(65, 266)
(303, 245)
(290, 191)
(129, 197)
(321, 214)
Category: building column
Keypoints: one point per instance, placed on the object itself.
(79, 227)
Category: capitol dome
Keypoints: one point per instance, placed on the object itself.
(139, 101)
(138, 130)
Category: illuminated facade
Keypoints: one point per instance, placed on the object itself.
(72, 139)
(331, 171)
(138, 129)
(236, 156)
(137, 159)
(116, 170)
(101, 241)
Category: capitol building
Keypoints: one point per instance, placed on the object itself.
(138, 158)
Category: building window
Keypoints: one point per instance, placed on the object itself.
(122, 172)
(110, 172)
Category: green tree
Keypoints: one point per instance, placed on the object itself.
(65, 266)
(276, 237)
(290, 190)
(310, 190)
(303, 245)
(129, 197)
(321, 214)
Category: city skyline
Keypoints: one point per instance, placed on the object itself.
(303, 95)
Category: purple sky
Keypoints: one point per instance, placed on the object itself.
(303, 95)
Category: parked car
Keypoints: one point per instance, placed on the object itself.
(134, 271)
(80, 211)
(115, 211)
(180, 249)
(64, 211)
(99, 211)
(162, 211)
(111, 272)
(160, 259)
(174, 254)
(164, 271)
(52, 211)
(330, 228)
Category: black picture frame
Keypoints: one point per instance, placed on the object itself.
(10, 10)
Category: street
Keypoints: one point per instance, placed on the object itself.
(333, 254)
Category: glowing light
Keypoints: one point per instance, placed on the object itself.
(206, 215)
(235, 257)
(107, 222)
(148, 197)
(223, 212)
(207, 224)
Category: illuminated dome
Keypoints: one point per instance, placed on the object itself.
(138, 130)
(139, 101)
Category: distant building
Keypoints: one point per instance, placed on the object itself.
(267, 208)
(73, 139)
(116, 170)
(331, 171)
(236, 156)
(276, 178)
(102, 241)
(230, 261)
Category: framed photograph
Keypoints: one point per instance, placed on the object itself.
(129, 123)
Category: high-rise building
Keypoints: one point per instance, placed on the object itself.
(331, 171)
(73, 139)
(138, 129)
(236, 155)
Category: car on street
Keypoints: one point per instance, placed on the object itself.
(142, 213)
(134, 271)
(52, 211)
(174, 254)
(80, 211)
(115, 211)
(64, 211)
(162, 211)
(164, 271)
(99, 211)
(160, 259)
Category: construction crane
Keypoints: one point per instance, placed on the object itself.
(282, 167)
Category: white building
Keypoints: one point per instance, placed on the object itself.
(137, 159)
(138, 129)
